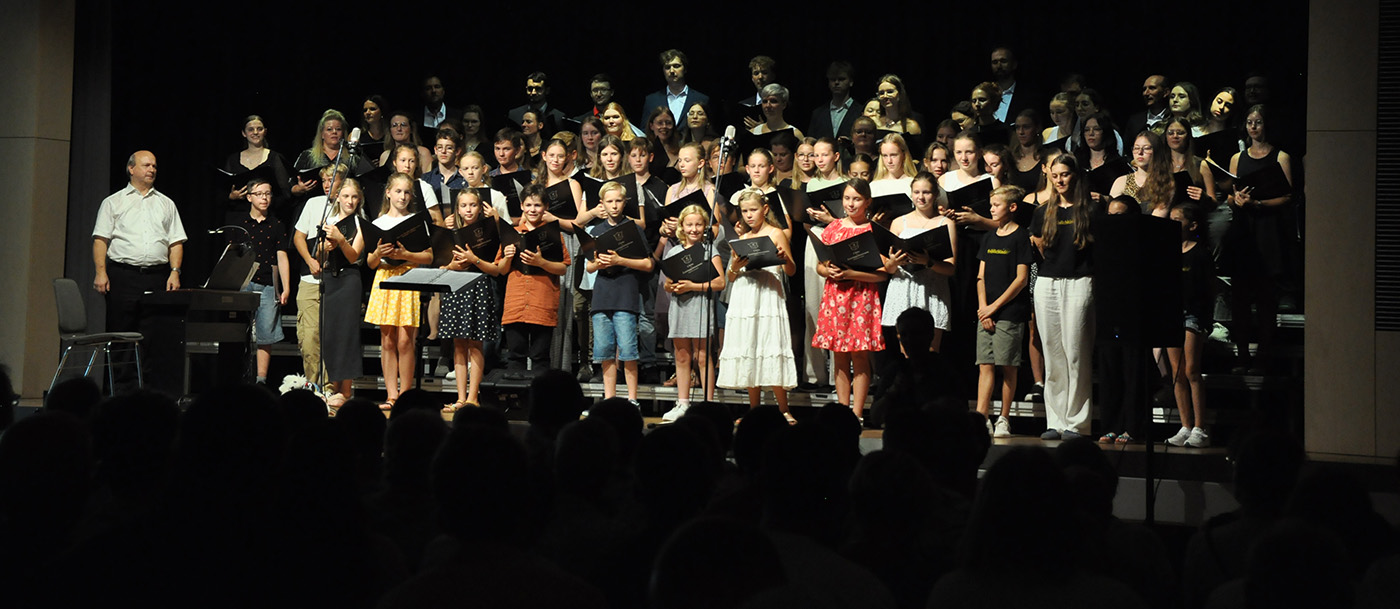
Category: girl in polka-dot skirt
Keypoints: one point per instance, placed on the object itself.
(848, 324)
(472, 316)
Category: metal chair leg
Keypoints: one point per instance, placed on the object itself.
(62, 361)
(140, 379)
(111, 376)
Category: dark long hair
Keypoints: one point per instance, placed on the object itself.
(1079, 204)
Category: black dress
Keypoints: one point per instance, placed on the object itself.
(341, 350)
(282, 206)
(1256, 238)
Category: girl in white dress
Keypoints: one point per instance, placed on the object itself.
(915, 281)
(758, 353)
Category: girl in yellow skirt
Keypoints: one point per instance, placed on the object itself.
(395, 311)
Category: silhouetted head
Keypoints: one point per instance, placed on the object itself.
(76, 396)
(714, 564)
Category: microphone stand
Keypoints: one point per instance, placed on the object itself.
(711, 312)
(322, 257)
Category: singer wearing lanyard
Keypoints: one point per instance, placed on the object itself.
(137, 246)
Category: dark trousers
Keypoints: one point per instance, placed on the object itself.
(646, 322)
(125, 314)
(527, 342)
(1124, 370)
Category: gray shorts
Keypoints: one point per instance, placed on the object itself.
(1001, 347)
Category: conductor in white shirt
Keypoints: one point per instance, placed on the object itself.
(137, 245)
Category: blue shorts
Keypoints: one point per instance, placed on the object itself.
(1196, 325)
(267, 328)
(614, 332)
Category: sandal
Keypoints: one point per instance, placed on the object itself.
(788, 417)
(671, 382)
(458, 405)
(1124, 438)
(388, 405)
(1108, 438)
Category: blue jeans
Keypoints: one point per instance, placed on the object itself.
(614, 332)
(267, 328)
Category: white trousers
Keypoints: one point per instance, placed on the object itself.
(817, 364)
(1064, 311)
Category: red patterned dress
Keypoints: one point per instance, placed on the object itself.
(849, 319)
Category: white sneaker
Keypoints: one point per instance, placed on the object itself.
(675, 412)
(990, 432)
(1219, 333)
(1180, 438)
(451, 375)
(1002, 429)
(1198, 438)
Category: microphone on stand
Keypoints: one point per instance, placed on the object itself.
(354, 140)
(728, 141)
(226, 227)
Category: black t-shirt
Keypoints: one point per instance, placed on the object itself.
(1062, 259)
(1197, 273)
(1002, 254)
(268, 237)
(620, 292)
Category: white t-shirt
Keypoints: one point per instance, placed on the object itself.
(309, 224)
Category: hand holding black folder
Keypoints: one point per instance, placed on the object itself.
(547, 241)
(1101, 179)
(759, 252)
(624, 240)
(933, 242)
(976, 196)
(1269, 182)
(483, 237)
(559, 200)
(858, 252)
(695, 263)
(826, 199)
(412, 234)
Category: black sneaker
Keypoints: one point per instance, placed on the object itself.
(1036, 394)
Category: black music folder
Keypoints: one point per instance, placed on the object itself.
(1101, 179)
(760, 251)
(976, 196)
(624, 239)
(859, 252)
(674, 208)
(828, 198)
(265, 171)
(510, 185)
(559, 200)
(412, 234)
(934, 242)
(549, 242)
(692, 264)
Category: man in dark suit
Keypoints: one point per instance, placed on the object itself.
(1154, 94)
(834, 118)
(537, 99)
(1015, 95)
(677, 96)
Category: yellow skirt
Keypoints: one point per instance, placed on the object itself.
(392, 307)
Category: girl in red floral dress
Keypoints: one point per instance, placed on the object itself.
(849, 322)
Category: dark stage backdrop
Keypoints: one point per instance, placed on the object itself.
(183, 76)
